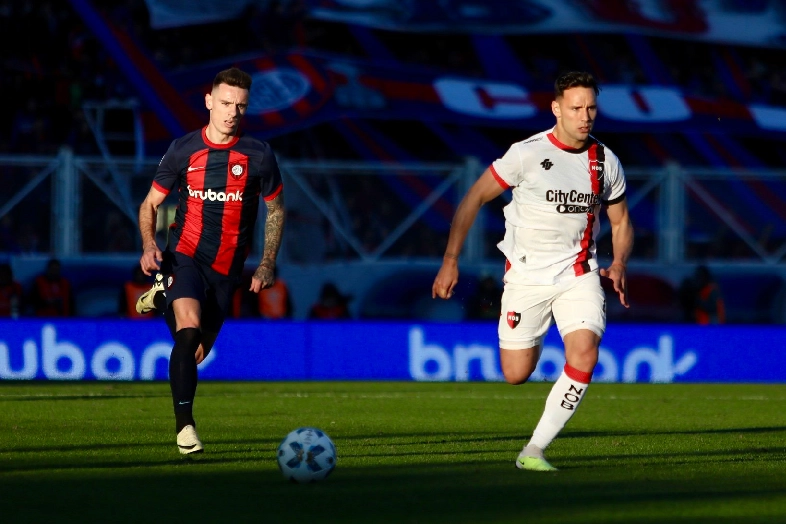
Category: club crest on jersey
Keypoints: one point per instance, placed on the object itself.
(513, 319)
(596, 168)
(237, 170)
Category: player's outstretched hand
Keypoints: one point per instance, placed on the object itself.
(446, 280)
(151, 260)
(263, 278)
(617, 274)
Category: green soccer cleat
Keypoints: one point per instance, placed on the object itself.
(534, 464)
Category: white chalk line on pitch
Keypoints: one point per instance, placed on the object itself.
(506, 397)
(407, 395)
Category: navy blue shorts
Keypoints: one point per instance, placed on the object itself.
(185, 278)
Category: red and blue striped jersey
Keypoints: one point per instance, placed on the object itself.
(219, 190)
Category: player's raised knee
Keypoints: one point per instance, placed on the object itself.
(517, 377)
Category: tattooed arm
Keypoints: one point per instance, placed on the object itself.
(264, 276)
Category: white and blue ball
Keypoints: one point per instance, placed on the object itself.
(306, 455)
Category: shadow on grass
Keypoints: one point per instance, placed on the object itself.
(454, 493)
(245, 452)
(721, 431)
(88, 396)
(399, 439)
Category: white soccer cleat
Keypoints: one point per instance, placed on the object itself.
(146, 302)
(188, 441)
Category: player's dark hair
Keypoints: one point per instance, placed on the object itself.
(233, 77)
(575, 79)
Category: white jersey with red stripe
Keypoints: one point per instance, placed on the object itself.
(552, 220)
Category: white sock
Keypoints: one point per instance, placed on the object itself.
(561, 404)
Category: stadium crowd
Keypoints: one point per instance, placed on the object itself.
(51, 82)
(50, 85)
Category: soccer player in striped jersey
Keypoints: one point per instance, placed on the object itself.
(220, 175)
(560, 179)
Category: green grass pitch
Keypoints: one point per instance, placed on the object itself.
(407, 453)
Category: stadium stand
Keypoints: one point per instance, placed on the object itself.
(652, 299)
(752, 299)
(53, 86)
(401, 296)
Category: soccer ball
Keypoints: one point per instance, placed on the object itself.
(306, 455)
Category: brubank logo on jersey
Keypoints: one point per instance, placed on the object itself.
(215, 196)
(573, 201)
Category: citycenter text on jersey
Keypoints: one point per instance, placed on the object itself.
(572, 197)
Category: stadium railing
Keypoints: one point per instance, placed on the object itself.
(356, 223)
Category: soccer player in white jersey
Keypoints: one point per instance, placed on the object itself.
(560, 178)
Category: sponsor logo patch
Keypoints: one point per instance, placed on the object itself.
(567, 209)
(215, 196)
(596, 168)
(547, 164)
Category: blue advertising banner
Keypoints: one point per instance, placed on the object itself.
(252, 350)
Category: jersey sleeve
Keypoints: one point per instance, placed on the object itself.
(508, 169)
(272, 183)
(616, 184)
(167, 171)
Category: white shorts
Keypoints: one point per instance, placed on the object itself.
(528, 310)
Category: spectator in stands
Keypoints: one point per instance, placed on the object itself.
(52, 295)
(132, 289)
(275, 302)
(687, 298)
(11, 293)
(332, 304)
(708, 304)
(486, 303)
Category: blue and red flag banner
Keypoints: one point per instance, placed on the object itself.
(739, 22)
(299, 89)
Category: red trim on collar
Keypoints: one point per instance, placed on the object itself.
(568, 148)
(229, 144)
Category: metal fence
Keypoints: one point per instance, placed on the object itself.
(70, 205)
